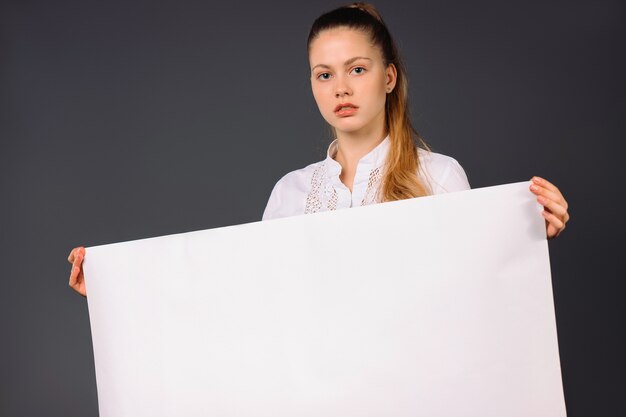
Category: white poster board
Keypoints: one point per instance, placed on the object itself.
(436, 306)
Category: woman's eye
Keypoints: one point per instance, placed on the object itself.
(359, 70)
(324, 76)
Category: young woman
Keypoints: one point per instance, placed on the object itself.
(360, 86)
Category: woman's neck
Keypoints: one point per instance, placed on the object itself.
(353, 147)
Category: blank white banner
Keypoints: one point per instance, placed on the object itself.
(436, 306)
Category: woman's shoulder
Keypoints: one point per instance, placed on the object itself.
(443, 173)
(289, 194)
(300, 176)
(435, 159)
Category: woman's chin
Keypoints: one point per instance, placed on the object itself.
(347, 126)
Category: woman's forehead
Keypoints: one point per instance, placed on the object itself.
(334, 46)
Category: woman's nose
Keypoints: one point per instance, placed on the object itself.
(342, 88)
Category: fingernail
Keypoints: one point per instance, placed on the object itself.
(536, 180)
(534, 187)
(541, 200)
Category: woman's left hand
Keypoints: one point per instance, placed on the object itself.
(554, 205)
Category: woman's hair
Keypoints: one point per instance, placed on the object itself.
(400, 180)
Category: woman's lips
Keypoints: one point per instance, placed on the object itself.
(345, 109)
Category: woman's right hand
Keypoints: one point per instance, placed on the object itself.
(77, 277)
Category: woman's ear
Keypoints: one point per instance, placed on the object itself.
(391, 76)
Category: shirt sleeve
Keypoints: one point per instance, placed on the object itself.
(271, 209)
(456, 180)
(447, 176)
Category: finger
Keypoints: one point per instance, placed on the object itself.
(555, 192)
(74, 276)
(79, 250)
(555, 222)
(78, 260)
(545, 183)
(551, 231)
(76, 256)
(554, 207)
(79, 283)
(76, 267)
(548, 194)
(70, 258)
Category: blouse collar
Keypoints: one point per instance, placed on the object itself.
(372, 160)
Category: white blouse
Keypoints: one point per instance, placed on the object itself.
(317, 187)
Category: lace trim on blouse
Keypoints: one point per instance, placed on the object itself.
(372, 192)
(323, 195)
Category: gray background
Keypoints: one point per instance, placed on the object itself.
(127, 119)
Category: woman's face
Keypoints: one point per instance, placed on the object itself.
(347, 69)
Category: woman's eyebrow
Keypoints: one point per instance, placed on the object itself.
(348, 62)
